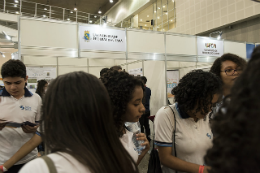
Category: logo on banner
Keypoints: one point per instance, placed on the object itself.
(87, 35)
(210, 45)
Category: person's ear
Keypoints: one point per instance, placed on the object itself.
(26, 79)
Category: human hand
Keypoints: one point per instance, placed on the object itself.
(29, 129)
(142, 137)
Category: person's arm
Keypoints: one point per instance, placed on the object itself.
(168, 160)
(142, 137)
(23, 151)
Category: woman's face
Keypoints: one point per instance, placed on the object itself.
(202, 114)
(229, 80)
(45, 87)
(135, 108)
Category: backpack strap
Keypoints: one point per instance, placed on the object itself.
(174, 133)
(50, 164)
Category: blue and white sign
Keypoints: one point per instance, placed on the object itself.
(101, 38)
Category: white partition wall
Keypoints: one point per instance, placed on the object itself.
(235, 48)
(47, 37)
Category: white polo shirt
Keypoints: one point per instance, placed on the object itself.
(192, 139)
(27, 108)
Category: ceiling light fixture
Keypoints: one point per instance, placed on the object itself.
(158, 17)
(159, 8)
(16, 1)
(71, 11)
(99, 11)
(95, 16)
(154, 11)
(171, 20)
(17, 12)
(68, 18)
(75, 7)
(6, 36)
(111, 1)
(90, 21)
(45, 8)
(141, 20)
(147, 15)
(44, 15)
(164, 6)
(145, 25)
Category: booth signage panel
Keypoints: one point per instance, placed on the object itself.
(99, 38)
(136, 72)
(173, 77)
(249, 50)
(209, 47)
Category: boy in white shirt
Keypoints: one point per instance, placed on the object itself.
(17, 104)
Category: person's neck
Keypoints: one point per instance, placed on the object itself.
(226, 90)
(20, 95)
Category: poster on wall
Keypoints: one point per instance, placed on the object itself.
(172, 81)
(249, 50)
(38, 73)
(136, 72)
(209, 47)
(101, 38)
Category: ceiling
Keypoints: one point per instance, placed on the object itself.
(88, 6)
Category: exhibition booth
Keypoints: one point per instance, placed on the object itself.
(50, 48)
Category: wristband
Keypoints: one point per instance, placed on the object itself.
(3, 168)
(201, 168)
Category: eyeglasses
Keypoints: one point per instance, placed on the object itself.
(231, 72)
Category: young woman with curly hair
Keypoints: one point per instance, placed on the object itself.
(126, 94)
(236, 126)
(182, 131)
(228, 67)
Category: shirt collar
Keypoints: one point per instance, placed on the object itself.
(182, 114)
(4, 93)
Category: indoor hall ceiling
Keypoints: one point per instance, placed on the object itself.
(88, 6)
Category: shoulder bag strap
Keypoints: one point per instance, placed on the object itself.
(174, 134)
(50, 164)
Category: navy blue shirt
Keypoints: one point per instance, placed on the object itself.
(147, 95)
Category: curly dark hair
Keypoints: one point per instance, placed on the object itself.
(117, 67)
(196, 89)
(236, 126)
(13, 68)
(216, 67)
(120, 87)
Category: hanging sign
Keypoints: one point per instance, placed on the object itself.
(172, 81)
(101, 38)
(209, 47)
(136, 72)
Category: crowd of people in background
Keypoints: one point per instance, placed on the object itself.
(212, 126)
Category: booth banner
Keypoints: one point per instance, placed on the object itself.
(173, 77)
(249, 50)
(209, 47)
(136, 72)
(38, 73)
(101, 38)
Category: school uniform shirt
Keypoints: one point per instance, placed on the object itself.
(192, 139)
(63, 163)
(27, 108)
(127, 142)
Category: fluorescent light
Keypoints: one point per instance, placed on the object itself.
(159, 8)
(17, 12)
(99, 11)
(95, 16)
(44, 15)
(6, 36)
(171, 20)
(16, 1)
(15, 5)
(147, 15)
(158, 17)
(75, 9)
(45, 8)
(166, 13)
(68, 19)
(164, 6)
(154, 11)
(71, 11)
(111, 1)
(90, 21)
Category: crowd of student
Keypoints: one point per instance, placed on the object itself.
(211, 127)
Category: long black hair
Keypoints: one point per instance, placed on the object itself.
(40, 87)
(120, 87)
(236, 126)
(196, 88)
(77, 119)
